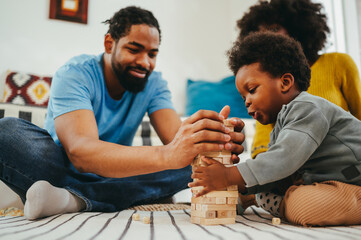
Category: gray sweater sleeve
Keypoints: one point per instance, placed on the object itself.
(302, 127)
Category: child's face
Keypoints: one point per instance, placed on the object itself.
(261, 92)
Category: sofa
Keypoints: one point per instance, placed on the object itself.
(26, 97)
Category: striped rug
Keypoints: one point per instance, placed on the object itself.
(172, 224)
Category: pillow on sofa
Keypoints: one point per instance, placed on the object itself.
(214, 96)
(26, 89)
(33, 114)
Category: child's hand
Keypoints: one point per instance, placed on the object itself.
(237, 137)
(213, 177)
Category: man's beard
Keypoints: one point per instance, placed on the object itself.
(129, 82)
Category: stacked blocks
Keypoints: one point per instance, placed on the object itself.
(217, 207)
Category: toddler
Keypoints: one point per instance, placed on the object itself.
(310, 174)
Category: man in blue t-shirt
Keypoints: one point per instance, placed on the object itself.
(83, 159)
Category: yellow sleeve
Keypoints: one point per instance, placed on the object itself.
(351, 85)
(261, 139)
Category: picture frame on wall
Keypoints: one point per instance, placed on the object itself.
(69, 10)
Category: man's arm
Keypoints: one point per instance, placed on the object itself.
(166, 123)
(78, 133)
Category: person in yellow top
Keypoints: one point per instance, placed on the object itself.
(334, 76)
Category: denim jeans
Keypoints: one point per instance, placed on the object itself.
(29, 154)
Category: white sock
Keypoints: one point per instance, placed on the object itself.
(43, 200)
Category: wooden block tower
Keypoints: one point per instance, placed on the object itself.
(217, 207)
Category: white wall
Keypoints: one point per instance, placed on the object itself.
(195, 36)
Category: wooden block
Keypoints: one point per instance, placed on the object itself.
(203, 200)
(228, 123)
(193, 206)
(226, 214)
(227, 161)
(135, 217)
(203, 214)
(214, 221)
(198, 188)
(195, 192)
(219, 159)
(232, 188)
(224, 153)
(218, 207)
(232, 200)
(195, 220)
(222, 194)
(221, 200)
(276, 221)
(146, 220)
(197, 161)
(231, 128)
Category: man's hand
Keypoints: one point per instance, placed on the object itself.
(237, 137)
(204, 131)
(213, 177)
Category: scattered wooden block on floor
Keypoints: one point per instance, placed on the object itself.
(135, 217)
(146, 220)
(276, 221)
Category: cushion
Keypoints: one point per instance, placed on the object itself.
(27, 89)
(214, 96)
(33, 114)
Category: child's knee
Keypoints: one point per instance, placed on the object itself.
(294, 208)
(320, 204)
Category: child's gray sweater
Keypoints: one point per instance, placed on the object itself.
(312, 137)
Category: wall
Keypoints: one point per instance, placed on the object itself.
(195, 36)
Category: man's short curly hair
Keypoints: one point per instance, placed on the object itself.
(302, 19)
(276, 53)
(121, 22)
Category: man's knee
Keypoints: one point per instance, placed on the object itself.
(8, 125)
(16, 134)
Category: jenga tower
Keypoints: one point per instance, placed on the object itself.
(217, 207)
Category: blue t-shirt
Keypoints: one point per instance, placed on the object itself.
(80, 84)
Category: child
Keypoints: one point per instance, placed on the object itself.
(310, 174)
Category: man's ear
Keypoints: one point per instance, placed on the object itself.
(288, 81)
(108, 43)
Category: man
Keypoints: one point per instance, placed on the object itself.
(95, 108)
